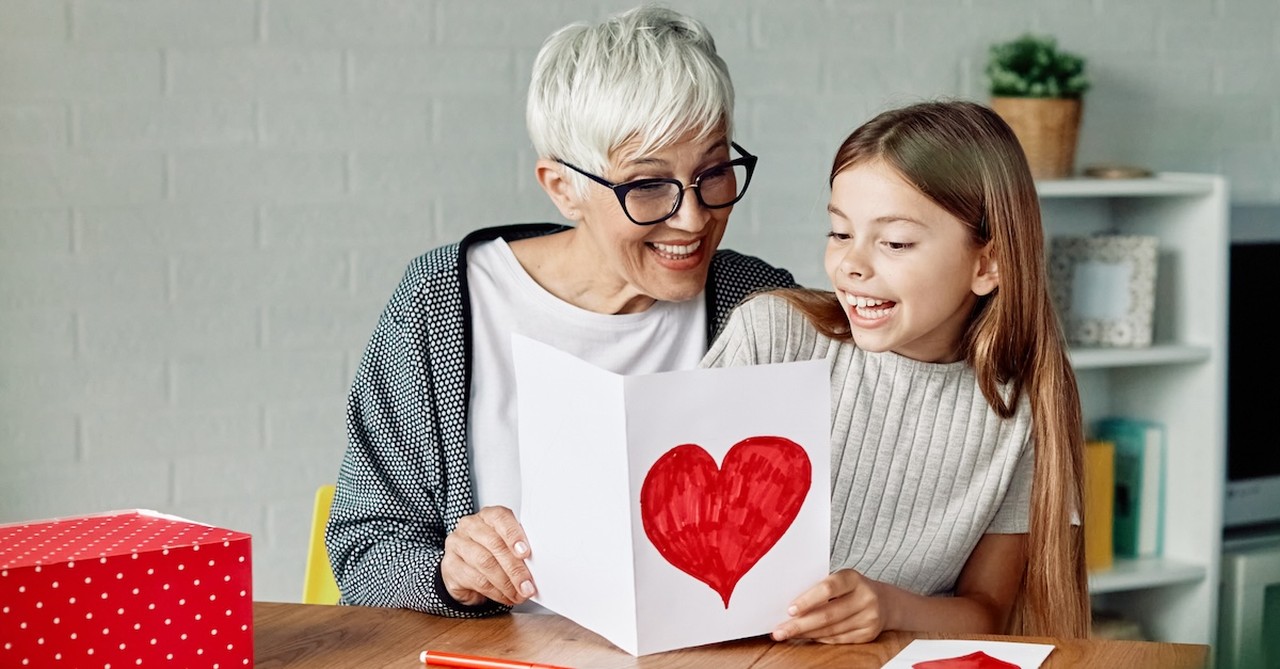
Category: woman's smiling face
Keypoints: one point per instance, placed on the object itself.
(669, 260)
(906, 271)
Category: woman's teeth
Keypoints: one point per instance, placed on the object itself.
(677, 250)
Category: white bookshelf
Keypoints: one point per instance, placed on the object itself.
(1180, 381)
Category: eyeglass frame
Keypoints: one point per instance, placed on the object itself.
(621, 190)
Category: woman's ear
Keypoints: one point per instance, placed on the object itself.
(986, 273)
(558, 188)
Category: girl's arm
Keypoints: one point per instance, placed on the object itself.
(847, 607)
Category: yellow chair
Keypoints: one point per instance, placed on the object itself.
(319, 586)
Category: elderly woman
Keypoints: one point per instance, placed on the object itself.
(632, 120)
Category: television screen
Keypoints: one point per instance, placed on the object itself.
(1253, 368)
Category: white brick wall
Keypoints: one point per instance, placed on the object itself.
(204, 205)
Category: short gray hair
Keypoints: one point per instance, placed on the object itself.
(649, 73)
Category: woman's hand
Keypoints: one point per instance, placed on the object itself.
(484, 558)
(845, 607)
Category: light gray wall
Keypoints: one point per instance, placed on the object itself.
(205, 204)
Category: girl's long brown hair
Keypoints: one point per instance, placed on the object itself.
(966, 160)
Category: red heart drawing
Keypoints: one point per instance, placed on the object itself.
(974, 660)
(715, 524)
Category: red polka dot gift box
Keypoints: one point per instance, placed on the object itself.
(124, 589)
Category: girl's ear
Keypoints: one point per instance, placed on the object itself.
(558, 188)
(986, 273)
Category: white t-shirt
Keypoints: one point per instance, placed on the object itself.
(506, 300)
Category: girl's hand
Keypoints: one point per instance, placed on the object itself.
(484, 558)
(845, 607)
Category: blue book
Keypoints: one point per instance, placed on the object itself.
(1137, 530)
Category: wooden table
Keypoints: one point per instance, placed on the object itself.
(331, 637)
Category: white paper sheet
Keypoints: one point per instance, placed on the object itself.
(1024, 655)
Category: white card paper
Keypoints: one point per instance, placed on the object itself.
(1024, 655)
(666, 574)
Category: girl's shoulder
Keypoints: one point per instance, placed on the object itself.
(778, 315)
(766, 328)
(769, 306)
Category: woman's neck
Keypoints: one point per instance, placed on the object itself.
(564, 265)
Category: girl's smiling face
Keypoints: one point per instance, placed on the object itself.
(907, 271)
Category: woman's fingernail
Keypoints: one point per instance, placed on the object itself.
(527, 588)
(521, 548)
(779, 635)
(792, 611)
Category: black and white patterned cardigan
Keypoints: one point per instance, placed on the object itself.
(405, 480)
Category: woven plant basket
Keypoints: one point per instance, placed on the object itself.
(1047, 128)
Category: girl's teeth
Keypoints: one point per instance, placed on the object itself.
(861, 302)
(868, 307)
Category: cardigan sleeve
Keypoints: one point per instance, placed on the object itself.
(386, 532)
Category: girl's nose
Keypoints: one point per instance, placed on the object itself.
(852, 262)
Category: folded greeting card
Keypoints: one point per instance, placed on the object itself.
(674, 509)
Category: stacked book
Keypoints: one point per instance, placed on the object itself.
(1124, 490)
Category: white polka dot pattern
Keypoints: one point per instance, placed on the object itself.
(406, 478)
(124, 589)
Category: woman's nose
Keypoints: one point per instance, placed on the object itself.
(690, 215)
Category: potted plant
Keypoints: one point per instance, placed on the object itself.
(1038, 90)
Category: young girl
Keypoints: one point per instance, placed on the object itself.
(957, 439)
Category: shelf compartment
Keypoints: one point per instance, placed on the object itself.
(1136, 574)
(1157, 354)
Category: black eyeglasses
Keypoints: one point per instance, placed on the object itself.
(652, 201)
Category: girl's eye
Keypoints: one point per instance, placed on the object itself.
(898, 246)
(840, 236)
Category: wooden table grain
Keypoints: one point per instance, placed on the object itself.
(297, 636)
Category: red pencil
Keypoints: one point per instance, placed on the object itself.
(442, 659)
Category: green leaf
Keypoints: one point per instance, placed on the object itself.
(1032, 66)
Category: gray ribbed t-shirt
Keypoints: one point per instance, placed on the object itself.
(921, 466)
